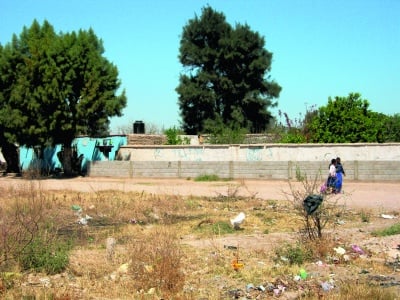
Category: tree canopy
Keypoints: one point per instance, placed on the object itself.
(345, 120)
(56, 86)
(226, 77)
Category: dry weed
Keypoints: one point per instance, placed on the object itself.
(156, 262)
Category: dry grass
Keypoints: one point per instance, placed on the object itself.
(174, 247)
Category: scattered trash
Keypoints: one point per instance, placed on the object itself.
(357, 249)
(284, 258)
(261, 288)
(238, 220)
(250, 287)
(303, 274)
(236, 264)
(297, 278)
(84, 220)
(311, 203)
(340, 250)
(320, 264)
(76, 208)
(279, 290)
(230, 247)
(388, 216)
(327, 286)
(236, 294)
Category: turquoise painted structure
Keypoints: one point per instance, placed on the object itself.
(92, 149)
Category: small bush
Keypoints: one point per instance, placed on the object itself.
(325, 213)
(173, 137)
(293, 254)
(157, 262)
(45, 254)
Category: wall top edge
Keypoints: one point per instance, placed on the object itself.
(263, 145)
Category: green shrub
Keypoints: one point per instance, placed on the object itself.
(173, 137)
(44, 254)
(293, 254)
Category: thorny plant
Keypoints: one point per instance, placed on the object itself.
(326, 213)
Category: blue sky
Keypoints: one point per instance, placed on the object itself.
(320, 48)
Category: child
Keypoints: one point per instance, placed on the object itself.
(339, 175)
(331, 182)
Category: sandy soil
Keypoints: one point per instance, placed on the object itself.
(370, 195)
(381, 197)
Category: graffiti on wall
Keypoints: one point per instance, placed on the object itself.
(254, 154)
(189, 154)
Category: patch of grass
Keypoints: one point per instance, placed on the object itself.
(207, 177)
(293, 254)
(392, 230)
(216, 228)
(221, 228)
(353, 290)
(44, 254)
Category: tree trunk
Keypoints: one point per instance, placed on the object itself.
(11, 155)
(67, 160)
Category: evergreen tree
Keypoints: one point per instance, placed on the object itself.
(56, 86)
(226, 79)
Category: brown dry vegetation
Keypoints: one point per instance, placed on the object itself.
(182, 247)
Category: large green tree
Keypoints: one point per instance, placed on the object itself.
(345, 120)
(391, 128)
(226, 79)
(56, 86)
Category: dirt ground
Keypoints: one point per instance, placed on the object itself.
(368, 195)
(383, 198)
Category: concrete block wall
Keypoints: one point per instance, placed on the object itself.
(283, 170)
(366, 162)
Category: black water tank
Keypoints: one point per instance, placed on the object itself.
(138, 127)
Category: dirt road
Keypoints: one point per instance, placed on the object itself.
(378, 195)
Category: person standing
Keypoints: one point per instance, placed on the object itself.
(331, 182)
(339, 175)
